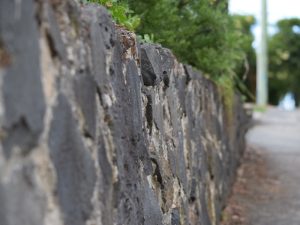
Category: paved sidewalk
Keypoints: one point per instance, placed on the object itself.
(277, 135)
(267, 189)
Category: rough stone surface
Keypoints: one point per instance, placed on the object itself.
(21, 91)
(75, 168)
(96, 128)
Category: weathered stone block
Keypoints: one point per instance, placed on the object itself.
(21, 89)
(74, 166)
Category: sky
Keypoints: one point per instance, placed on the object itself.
(277, 9)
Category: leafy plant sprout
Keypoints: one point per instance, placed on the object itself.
(120, 13)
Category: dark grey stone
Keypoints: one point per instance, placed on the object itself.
(156, 64)
(149, 66)
(158, 114)
(107, 187)
(138, 139)
(55, 42)
(102, 39)
(21, 200)
(204, 214)
(177, 132)
(3, 208)
(134, 95)
(19, 135)
(152, 211)
(127, 130)
(23, 97)
(167, 64)
(73, 164)
(192, 74)
(85, 92)
(181, 84)
(175, 219)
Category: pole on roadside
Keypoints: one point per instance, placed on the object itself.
(262, 60)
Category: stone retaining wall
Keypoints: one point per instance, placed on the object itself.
(96, 128)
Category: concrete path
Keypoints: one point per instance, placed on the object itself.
(277, 135)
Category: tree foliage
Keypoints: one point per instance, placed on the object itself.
(202, 33)
(199, 32)
(284, 58)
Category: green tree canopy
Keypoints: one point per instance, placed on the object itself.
(284, 58)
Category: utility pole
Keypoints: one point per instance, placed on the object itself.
(262, 60)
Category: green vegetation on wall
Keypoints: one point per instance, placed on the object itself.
(120, 13)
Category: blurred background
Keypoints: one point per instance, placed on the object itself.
(283, 46)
